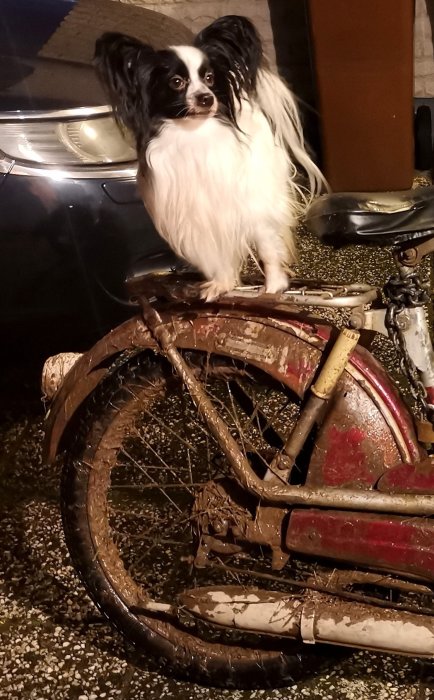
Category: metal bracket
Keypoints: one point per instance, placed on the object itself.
(414, 255)
(374, 320)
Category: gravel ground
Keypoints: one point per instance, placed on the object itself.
(54, 643)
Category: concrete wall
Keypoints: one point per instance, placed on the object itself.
(196, 14)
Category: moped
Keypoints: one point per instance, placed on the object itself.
(243, 482)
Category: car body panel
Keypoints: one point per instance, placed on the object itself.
(69, 236)
(71, 247)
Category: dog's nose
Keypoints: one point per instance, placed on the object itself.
(204, 99)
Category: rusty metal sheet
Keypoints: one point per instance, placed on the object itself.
(385, 393)
(409, 478)
(85, 375)
(278, 352)
(385, 542)
(355, 444)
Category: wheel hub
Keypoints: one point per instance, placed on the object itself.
(225, 519)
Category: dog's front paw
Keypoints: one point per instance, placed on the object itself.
(277, 282)
(212, 290)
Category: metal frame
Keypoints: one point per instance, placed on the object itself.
(330, 295)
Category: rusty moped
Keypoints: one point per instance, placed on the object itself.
(243, 482)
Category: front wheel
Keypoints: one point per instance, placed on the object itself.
(134, 486)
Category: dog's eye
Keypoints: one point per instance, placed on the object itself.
(177, 83)
(209, 78)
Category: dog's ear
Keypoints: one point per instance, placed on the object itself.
(124, 66)
(233, 45)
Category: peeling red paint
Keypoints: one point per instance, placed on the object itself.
(375, 374)
(300, 368)
(409, 478)
(380, 541)
(346, 461)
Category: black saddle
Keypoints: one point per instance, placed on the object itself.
(383, 219)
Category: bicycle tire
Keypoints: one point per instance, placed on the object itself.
(104, 421)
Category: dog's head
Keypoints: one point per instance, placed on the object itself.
(201, 81)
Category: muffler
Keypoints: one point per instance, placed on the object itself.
(317, 618)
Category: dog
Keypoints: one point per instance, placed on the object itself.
(219, 139)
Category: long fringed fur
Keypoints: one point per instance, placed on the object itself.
(234, 43)
(221, 186)
(279, 106)
(229, 193)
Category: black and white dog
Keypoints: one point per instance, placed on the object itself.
(219, 140)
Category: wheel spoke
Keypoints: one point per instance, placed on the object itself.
(156, 521)
(256, 413)
(155, 483)
(144, 487)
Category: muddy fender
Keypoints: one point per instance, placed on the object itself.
(367, 429)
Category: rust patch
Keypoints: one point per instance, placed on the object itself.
(385, 542)
(347, 460)
(409, 478)
(354, 445)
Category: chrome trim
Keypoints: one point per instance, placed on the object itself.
(59, 114)
(70, 172)
(103, 172)
(332, 296)
(374, 320)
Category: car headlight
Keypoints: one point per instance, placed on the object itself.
(65, 142)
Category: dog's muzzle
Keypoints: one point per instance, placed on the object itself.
(203, 103)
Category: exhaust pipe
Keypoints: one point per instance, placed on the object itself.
(316, 619)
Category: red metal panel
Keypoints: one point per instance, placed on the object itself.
(409, 478)
(430, 394)
(355, 445)
(382, 542)
(376, 376)
(347, 462)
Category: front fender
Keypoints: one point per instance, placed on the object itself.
(367, 430)
(91, 368)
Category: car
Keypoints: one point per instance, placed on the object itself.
(72, 226)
